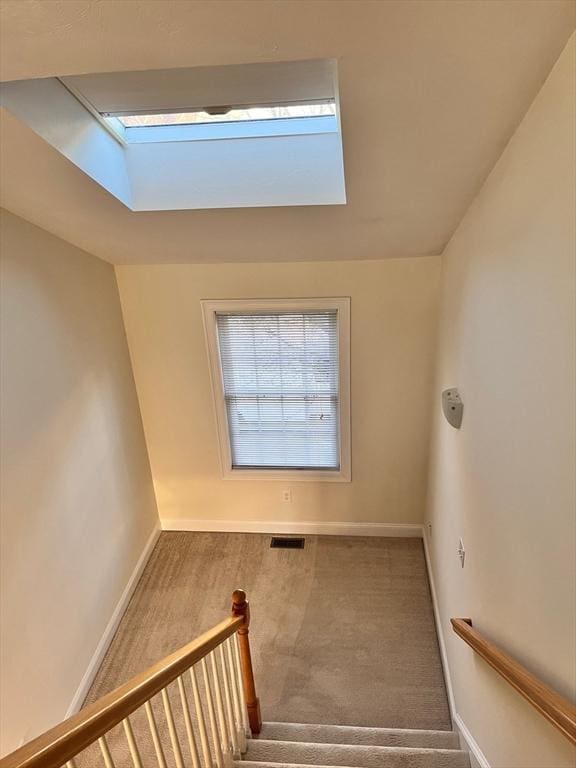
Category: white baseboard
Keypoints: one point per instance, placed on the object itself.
(110, 630)
(295, 528)
(478, 759)
(438, 621)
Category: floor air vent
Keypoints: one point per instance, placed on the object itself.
(284, 543)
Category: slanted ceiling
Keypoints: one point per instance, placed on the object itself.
(430, 93)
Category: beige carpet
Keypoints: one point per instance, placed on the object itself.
(342, 631)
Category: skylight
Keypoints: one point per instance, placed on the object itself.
(226, 136)
(227, 115)
(223, 122)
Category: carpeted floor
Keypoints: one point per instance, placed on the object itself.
(342, 632)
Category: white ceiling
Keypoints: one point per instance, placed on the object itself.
(430, 93)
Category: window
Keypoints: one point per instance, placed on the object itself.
(280, 373)
(224, 123)
(227, 115)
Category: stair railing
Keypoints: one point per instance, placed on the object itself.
(221, 712)
(554, 707)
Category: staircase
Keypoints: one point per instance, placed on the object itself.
(293, 745)
(198, 708)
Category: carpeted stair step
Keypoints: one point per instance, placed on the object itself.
(395, 761)
(293, 753)
(345, 734)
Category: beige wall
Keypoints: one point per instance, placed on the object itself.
(505, 481)
(393, 310)
(77, 498)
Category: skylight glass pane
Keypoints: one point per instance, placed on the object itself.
(232, 116)
(280, 377)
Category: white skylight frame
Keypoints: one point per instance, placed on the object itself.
(210, 309)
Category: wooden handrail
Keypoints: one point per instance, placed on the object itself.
(63, 742)
(554, 707)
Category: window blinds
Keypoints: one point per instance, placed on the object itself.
(280, 381)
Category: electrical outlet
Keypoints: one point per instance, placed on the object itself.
(287, 495)
(461, 552)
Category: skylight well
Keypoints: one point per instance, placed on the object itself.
(250, 135)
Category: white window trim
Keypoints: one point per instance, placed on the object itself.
(342, 306)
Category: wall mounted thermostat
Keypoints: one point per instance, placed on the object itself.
(452, 407)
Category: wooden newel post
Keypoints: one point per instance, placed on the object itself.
(240, 607)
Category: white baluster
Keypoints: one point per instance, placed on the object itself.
(228, 703)
(241, 733)
(238, 667)
(132, 746)
(107, 757)
(201, 722)
(212, 716)
(172, 730)
(227, 748)
(155, 736)
(188, 724)
(71, 763)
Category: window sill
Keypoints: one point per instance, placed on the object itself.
(288, 475)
